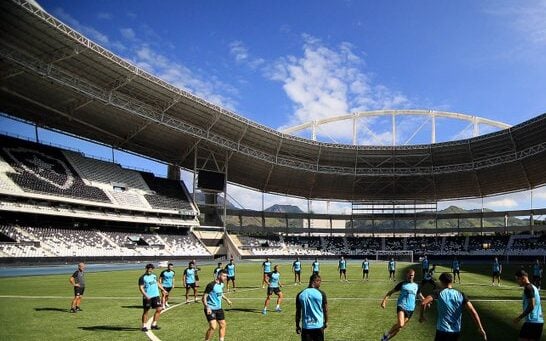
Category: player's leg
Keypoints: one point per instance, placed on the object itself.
(187, 293)
(195, 293)
(401, 322)
(145, 318)
(157, 314)
(233, 280)
(279, 301)
(223, 325)
(266, 303)
(210, 331)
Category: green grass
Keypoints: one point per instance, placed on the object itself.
(112, 307)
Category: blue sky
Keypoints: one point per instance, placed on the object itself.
(282, 63)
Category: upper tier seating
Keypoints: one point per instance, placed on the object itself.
(169, 194)
(43, 169)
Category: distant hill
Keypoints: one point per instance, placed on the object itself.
(284, 209)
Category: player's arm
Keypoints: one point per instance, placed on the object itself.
(325, 308)
(141, 288)
(298, 314)
(72, 280)
(161, 276)
(476, 319)
(528, 292)
(387, 295)
(224, 297)
(160, 286)
(425, 303)
(184, 278)
(206, 293)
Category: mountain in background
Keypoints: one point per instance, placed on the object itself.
(284, 209)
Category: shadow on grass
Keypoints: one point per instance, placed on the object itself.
(132, 306)
(246, 310)
(110, 328)
(52, 309)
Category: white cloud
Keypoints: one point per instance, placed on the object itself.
(326, 81)
(179, 75)
(526, 17)
(128, 33)
(501, 204)
(239, 51)
(88, 31)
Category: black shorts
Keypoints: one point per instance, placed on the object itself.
(496, 273)
(168, 289)
(267, 274)
(531, 331)
(446, 336)
(365, 271)
(298, 272)
(392, 272)
(456, 272)
(190, 285)
(407, 314)
(217, 315)
(537, 278)
(315, 272)
(154, 303)
(342, 271)
(78, 291)
(312, 334)
(271, 291)
(231, 278)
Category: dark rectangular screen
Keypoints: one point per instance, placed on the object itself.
(211, 180)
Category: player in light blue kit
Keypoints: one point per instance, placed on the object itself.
(456, 269)
(312, 308)
(266, 267)
(274, 286)
(532, 310)
(166, 278)
(424, 265)
(315, 267)
(409, 290)
(391, 266)
(450, 310)
(189, 280)
(296, 268)
(212, 300)
(342, 268)
(149, 288)
(365, 269)
(497, 270)
(230, 269)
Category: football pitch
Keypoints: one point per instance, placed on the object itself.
(37, 307)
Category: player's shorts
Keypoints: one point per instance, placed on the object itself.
(446, 336)
(78, 291)
(537, 278)
(271, 291)
(267, 274)
(154, 303)
(312, 334)
(365, 271)
(190, 285)
(168, 289)
(231, 278)
(392, 272)
(496, 273)
(315, 272)
(531, 331)
(297, 272)
(217, 315)
(342, 271)
(456, 272)
(407, 314)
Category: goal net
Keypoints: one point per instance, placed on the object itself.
(398, 255)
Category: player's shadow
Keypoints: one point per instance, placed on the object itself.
(132, 306)
(62, 310)
(111, 328)
(245, 310)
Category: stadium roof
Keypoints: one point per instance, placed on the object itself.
(54, 76)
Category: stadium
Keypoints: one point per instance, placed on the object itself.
(59, 206)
